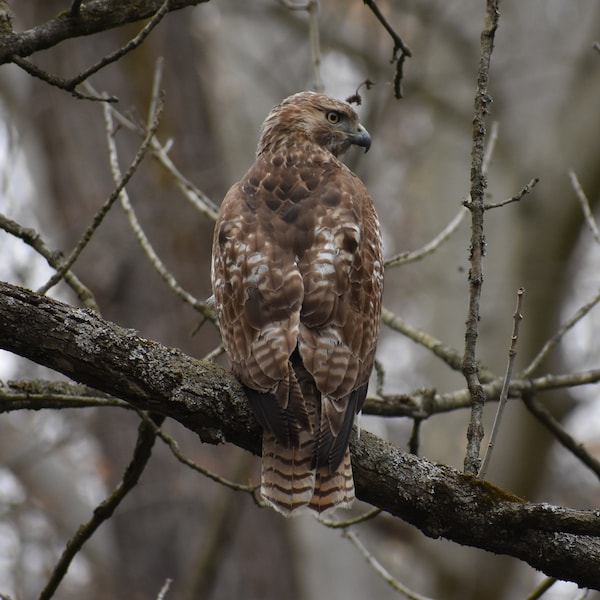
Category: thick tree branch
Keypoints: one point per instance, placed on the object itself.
(90, 17)
(437, 499)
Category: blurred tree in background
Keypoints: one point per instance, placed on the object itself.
(224, 65)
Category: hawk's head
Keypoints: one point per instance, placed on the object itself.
(313, 119)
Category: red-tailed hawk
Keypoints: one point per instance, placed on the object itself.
(297, 277)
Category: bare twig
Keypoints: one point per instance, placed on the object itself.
(559, 432)
(451, 356)
(164, 589)
(128, 47)
(421, 403)
(103, 211)
(104, 511)
(564, 328)
(438, 240)
(315, 43)
(406, 257)
(172, 444)
(401, 50)
(490, 147)
(512, 353)
(12, 401)
(213, 354)
(470, 367)
(199, 200)
(95, 16)
(70, 85)
(195, 196)
(524, 191)
(541, 589)
(585, 205)
(140, 235)
(312, 9)
(55, 259)
(156, 94)
(59, 82)
(381, 570)
(368, 516)
(292, 5)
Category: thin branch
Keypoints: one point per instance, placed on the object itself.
(559, 432)
(524, 191)
(512, 353)
(401, 50)
(128, 47)
(95, 16)
(12, 401)
(103, 211)
(199, 200)
(381, 570)
(490, 147)
(55, 259)
(291, 5)
(407, 257)
(164, 589)
(315, 43)
(213, 354)
(135, 225)
(470, 367)
(106, 508)
(451, 356)
(70, 85)
(435, 243)
(368, 516)
(596, 46)
(581, 312)
(421, 403)
(312, 9)
(58, 82)
(585, 205)
(194, 195)
(172, 444)
(541, 589)
(155, 95)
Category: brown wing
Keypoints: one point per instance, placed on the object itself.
(258, 294)
(342, 273)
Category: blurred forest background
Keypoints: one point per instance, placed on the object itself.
(226, 63)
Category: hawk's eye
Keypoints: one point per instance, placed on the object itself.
(333, 117)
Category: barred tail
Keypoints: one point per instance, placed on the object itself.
(333, 490)
(288, 476)
(291, 484)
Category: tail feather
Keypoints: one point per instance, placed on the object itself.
(288, 476)
(333, 490)
(309, 468)
(290, 483)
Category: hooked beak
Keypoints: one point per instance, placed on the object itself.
(361, 138)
